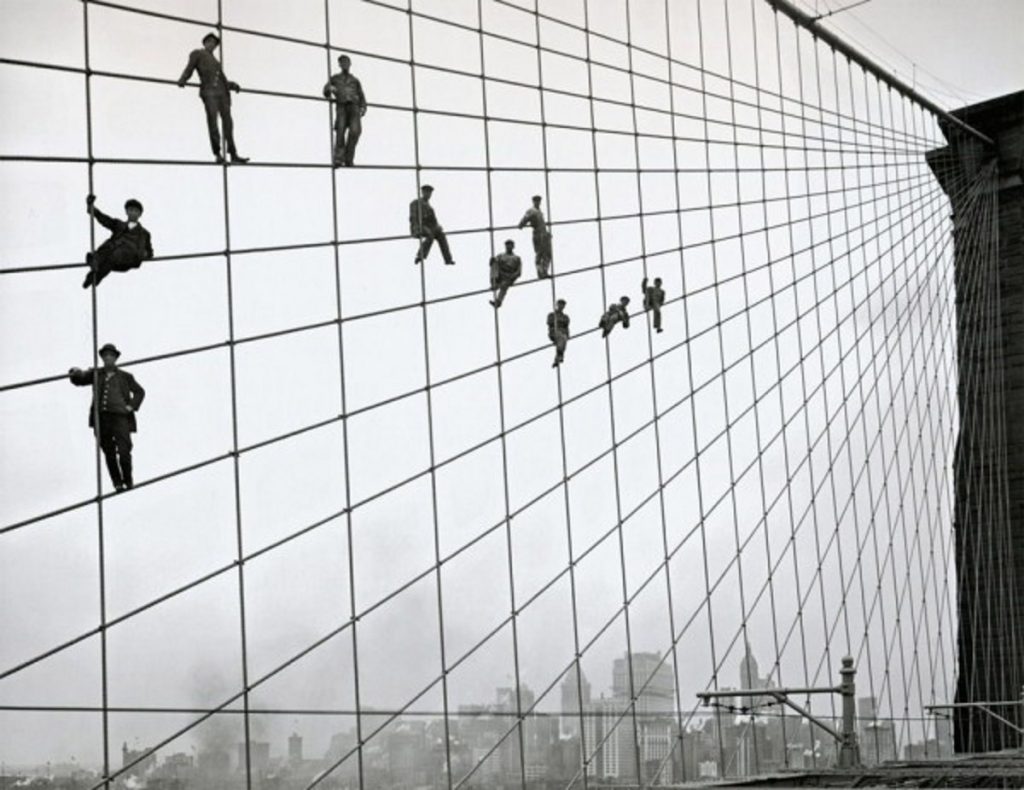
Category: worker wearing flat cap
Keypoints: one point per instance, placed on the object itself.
(558, 331)
(349, 109)
(423, 225)
(505, 270)
(213, 90)
(534, 217)
(128, 246)
(117, 396)
(654, 299)
(617, 313)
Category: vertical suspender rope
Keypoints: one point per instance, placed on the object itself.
(655, 415)
(239, 533)
(726, 404)
(611, 417)
(95, 392)
(513, 601)
(697, 463)
(430, 415)
(339, 306)
(791, 548)
(586, 724)
(777, 664)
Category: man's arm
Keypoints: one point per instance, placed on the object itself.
(148, 245)
(525, 220)
(362, 98)
(190, 67)
(519, 268)
(328, 88)
(81, 378)
(136, 391)
(107, 222)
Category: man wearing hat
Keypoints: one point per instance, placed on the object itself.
(128, 246)
(213, 90)
(424, 226)
(118, 397)
(558, 331)
(654, 298)
(505, 270)
(541, 236)
(615, 314)
(349, 108)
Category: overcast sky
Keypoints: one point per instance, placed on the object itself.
(877, 280)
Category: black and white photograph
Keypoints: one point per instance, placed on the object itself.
(511, 394)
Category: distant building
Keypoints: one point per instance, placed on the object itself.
(295, 748)
(259, 757)
(130, 756)
(569, 723)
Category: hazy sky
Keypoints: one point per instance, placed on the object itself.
(826, 341)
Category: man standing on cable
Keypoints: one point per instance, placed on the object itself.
(349, 108)
(118, 397)
(424, 226)
(128, 246)
(654, 298)
(558, 331)
(615, 314)
(541, 236)
(213, 90)
(505, 270)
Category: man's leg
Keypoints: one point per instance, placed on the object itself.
(542, 248)
(101, 267)
(442, 242)
(123, 442)
(502, 290)
(426, 242)
(109, 448)
(657, 317)
(210, 104)
(224, 107)
(338, 154)
(355, 128)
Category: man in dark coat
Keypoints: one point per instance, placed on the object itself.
(128, 246)
(558, 331)
(654, 298)
(534, 217)
(349, 108)
(118, 396)
(424, 226)
(213, 90)
(617, 312)
(505, 270)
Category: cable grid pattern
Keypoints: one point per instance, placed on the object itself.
(773, 476)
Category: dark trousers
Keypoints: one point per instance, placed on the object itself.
(116, 444)
(219, 104)
(348, 119)
(656, 309)
(542, 252)
(428, 233)
(103, 262)
(560, 340)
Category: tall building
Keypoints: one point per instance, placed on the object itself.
(295, 748)
(569, 722)
(653, 682)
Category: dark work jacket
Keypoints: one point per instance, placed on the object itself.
(131, 241)
(421, 215)
(212, 79)
(128, 388)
